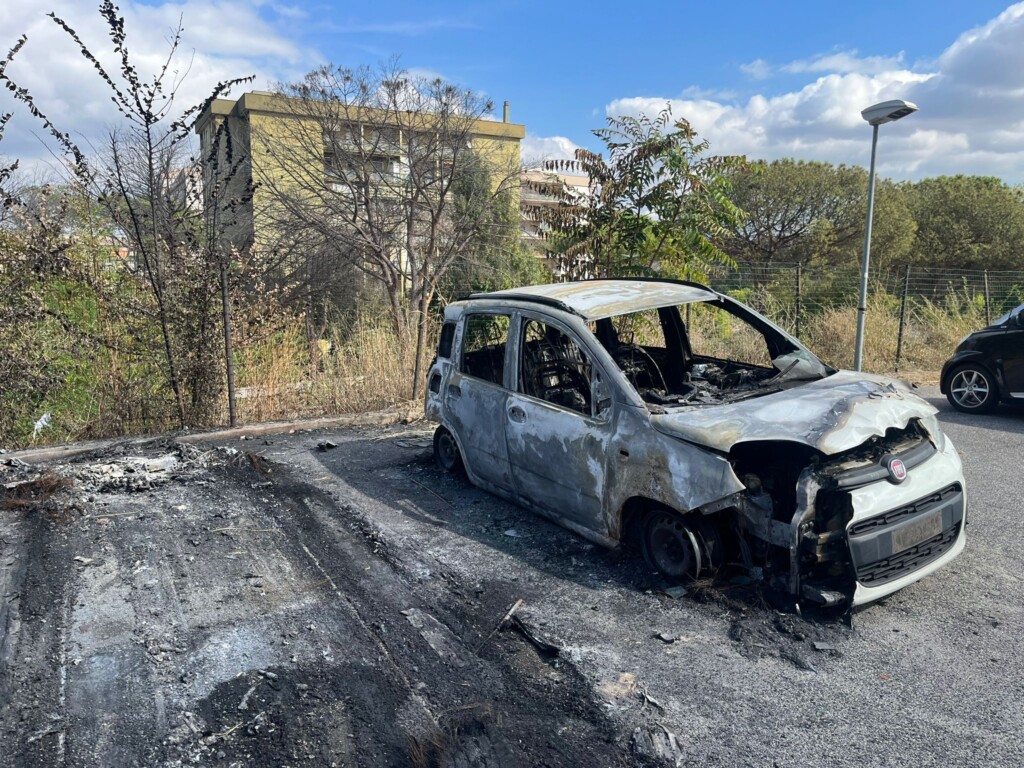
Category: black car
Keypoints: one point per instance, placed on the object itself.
(988, 366)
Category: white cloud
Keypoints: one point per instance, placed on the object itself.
(843, 62)
(536, 149)
(971, 101)
(696, 92)
(759, 69)
(222, 40)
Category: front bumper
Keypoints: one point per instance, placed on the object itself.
(901, 533)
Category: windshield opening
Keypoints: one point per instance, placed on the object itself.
(703, 353)
(1006, 318)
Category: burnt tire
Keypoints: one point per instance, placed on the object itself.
(972, 389)
(447, 455)
(670, 546)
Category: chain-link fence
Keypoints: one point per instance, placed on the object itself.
(915, 314)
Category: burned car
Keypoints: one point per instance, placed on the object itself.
(669, 413)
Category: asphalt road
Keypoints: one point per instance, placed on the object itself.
(344, 609)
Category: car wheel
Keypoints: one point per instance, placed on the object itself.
(446, 451)
(670, 546)
(972, 389)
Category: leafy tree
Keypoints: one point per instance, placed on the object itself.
(657, 204)
(814, 212)
(368, 171)
(150, 190)
(497, 257)
(967, 222)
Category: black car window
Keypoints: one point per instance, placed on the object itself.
(1012, 313)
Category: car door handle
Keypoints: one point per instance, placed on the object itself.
(454, 390)
(516, 414)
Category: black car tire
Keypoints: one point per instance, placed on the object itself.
(447, 455)
(972, 389)
(670, 546)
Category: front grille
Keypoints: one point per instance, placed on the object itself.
(909, 560)
(901, 513)
(877, 547)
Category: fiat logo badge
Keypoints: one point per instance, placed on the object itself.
(897, 470)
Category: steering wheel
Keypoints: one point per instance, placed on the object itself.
(633, 352)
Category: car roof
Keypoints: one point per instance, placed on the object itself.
(596, 299)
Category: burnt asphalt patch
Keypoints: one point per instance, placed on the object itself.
(344, 608)
(229, 613)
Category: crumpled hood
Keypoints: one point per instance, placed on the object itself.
(832, 414)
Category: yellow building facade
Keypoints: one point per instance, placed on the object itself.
(241, 142)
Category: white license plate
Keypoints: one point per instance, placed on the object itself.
(916, 532)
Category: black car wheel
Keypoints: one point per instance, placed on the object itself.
(446, 451)
(972, 389)
(670, 546)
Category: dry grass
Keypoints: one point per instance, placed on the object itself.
(286, 377)
(931, 334)
(365, 368)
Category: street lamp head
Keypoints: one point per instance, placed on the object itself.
(888, 111)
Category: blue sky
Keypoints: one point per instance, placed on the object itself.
(759, 78)
(560, 63)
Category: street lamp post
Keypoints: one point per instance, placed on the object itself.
(876, 115)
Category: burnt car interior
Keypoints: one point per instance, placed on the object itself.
(718, 356)
(483, 350)
(671, 365)
(553, 368)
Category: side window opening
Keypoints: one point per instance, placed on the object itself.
(483, 347)
(553, 368)
(444, 344)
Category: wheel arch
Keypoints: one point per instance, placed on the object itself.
(632, 512)
(976, 359)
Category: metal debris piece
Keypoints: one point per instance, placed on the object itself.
(648, 699)
(675, 592)
(438, 636)
(660, 745)
(508, 615)
(544, 648)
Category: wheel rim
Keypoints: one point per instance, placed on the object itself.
(447, 451)
(970, 388)
(673, 547)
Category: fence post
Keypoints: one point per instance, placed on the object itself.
(903, 318)
(799, 295)
(988, 302)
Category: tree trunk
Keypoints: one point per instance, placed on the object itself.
(229, 362)
(423, 306)
(158, 283)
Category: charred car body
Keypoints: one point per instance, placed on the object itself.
(669, 412)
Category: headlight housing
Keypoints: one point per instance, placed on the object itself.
(931, 425)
